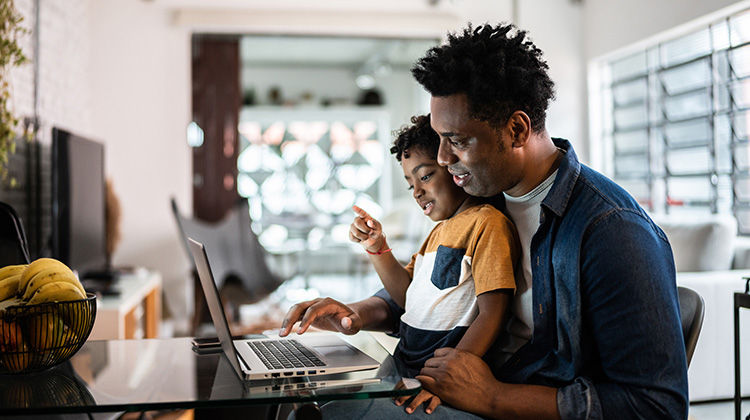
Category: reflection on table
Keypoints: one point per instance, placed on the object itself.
(52, 388)
(159, 374)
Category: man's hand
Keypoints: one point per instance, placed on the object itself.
(425, 397)
(462, 379)
(323, 313)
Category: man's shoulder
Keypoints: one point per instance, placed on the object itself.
(597, 199)
(594, 187)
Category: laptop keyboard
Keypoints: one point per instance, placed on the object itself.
(284, 354)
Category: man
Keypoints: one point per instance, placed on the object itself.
(595, 325)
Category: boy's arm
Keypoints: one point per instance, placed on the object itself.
(392, 274)
(369, 233)
(493, 308)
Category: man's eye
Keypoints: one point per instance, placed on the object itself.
(411, 187)
(458, 142)
(426, 177)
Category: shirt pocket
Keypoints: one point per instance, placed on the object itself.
(447, 270)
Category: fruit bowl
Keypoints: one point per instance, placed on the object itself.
(34, 338)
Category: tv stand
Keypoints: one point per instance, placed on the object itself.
(104, 275)
(135, 312)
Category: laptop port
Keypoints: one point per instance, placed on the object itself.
(311, 372)
(288, 373)
(301, 373)
(275, 375)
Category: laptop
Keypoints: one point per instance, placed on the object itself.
(280, 357)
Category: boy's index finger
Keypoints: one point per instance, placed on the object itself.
(361, 213)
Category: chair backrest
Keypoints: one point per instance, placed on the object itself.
(691, 313)
(233, 248)
(13, 245)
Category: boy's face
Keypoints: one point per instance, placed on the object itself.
(432, 186)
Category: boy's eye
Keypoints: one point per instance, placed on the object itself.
(426, 177)
(411, 187)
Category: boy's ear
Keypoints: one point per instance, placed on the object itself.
(519, 127)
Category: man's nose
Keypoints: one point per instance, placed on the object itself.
(445, 156)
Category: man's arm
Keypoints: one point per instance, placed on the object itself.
(464, 381)
(630, 308)
(372, 314)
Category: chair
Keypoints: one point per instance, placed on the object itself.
(13, 244)
(691, 313)
(238, 260)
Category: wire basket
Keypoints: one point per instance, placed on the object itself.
(36, 337)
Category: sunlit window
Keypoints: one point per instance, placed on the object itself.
(297, 167)
(677, 121)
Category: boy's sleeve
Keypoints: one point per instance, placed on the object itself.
(495, 254)
(396, 310)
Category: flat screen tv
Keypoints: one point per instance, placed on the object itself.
(79, 203)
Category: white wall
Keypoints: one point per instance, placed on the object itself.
(63, 60)
(610, 25)
(140, 65)
(558, 32)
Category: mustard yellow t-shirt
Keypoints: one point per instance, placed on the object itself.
(469, 254)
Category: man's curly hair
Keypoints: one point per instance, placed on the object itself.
(498, 68)
(419, 135)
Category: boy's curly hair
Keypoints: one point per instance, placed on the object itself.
(498, 68)
(418, 135)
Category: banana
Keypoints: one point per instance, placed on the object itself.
(58, 291)
(11, 270)
(51, 275)
(9, 287)
(35, 267)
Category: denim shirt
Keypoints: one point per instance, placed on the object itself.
(607, 329)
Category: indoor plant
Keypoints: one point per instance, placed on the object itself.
(10, 55)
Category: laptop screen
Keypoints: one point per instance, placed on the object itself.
(214, 303)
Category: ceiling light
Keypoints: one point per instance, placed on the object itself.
(194, 135)
(365, 81)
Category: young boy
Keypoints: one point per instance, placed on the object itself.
(454, 292)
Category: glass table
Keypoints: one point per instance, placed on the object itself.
(162, 374)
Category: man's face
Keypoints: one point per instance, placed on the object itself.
(479, 157)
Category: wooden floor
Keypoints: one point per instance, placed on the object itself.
(159, 415)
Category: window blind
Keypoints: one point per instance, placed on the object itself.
(680, 111)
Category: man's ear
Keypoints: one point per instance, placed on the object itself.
(519, 126)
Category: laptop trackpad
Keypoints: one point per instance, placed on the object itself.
(335, 351)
